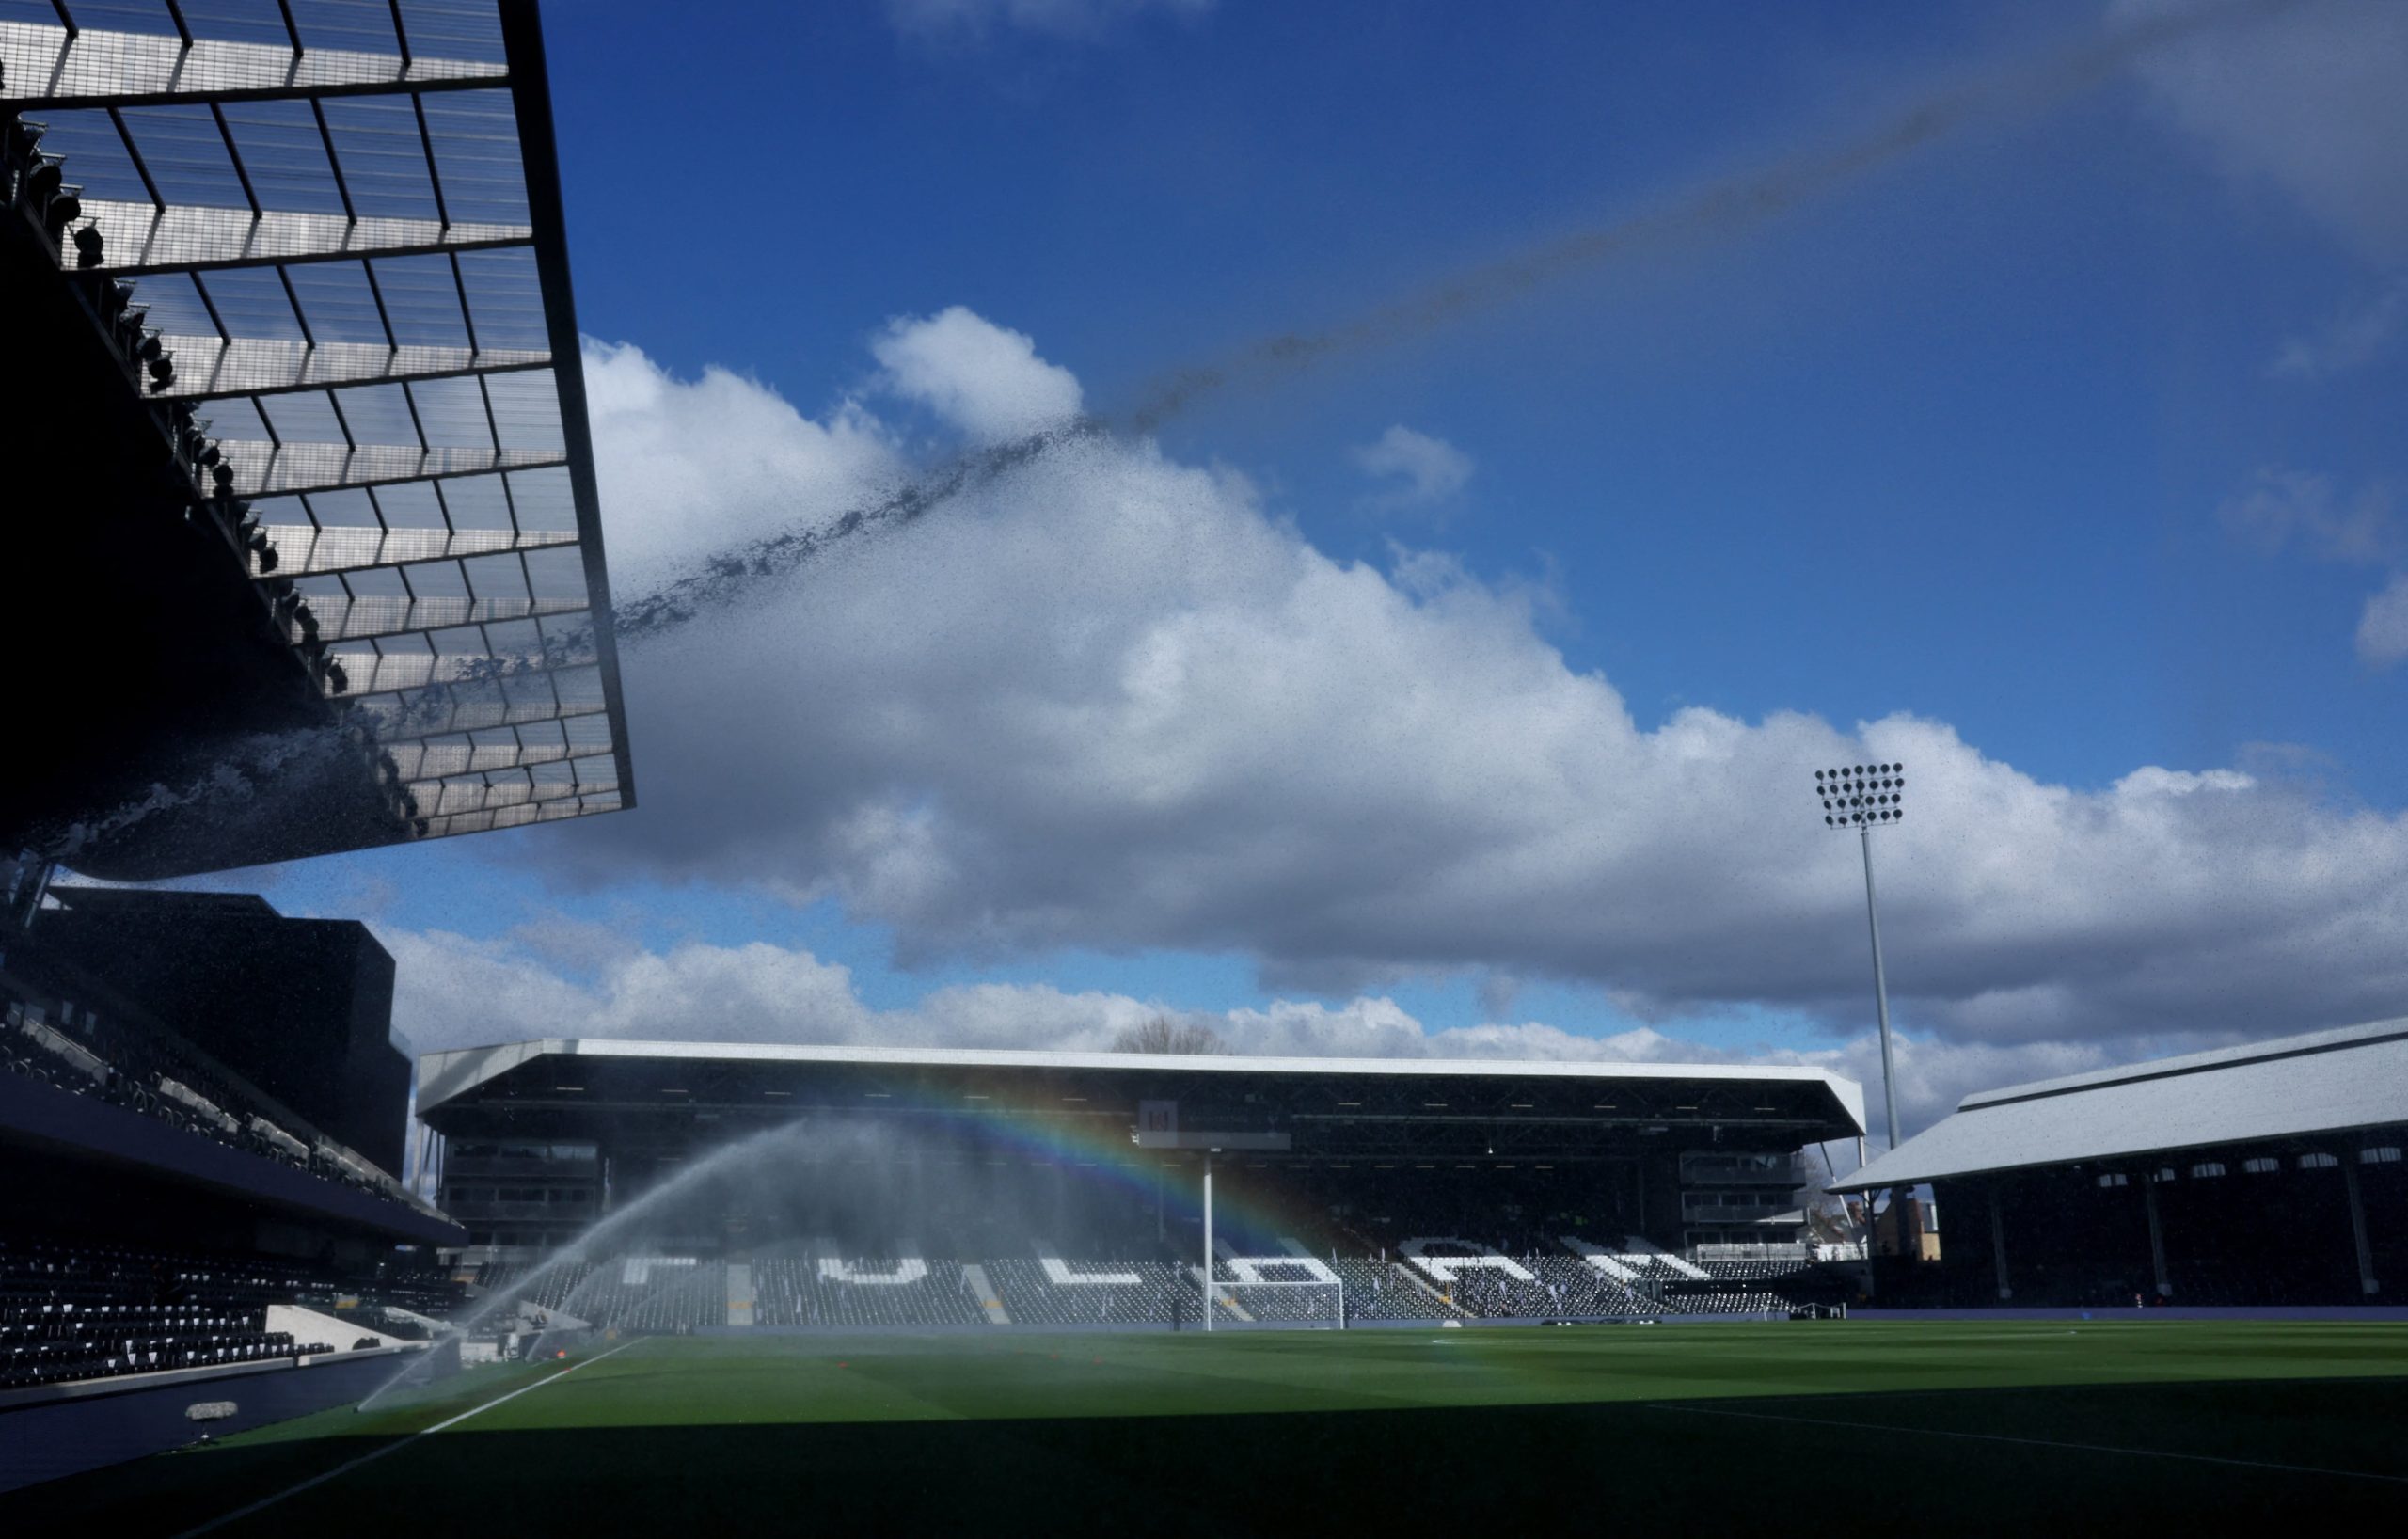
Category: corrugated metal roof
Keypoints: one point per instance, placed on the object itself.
(2292, 1086)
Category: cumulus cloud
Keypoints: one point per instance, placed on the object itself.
(2305, 100)
(983, 379)
(1109, 700)
(1418, 469)
(455, 991)
(695, 462)
(950, 19)
(2383, 627)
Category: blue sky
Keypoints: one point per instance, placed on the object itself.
(2071, 438)
(1988, 399)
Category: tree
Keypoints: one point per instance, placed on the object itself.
(1164, 1034)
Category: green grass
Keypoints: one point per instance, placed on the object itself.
(1945, 1427)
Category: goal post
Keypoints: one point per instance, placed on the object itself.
(1309, 1303)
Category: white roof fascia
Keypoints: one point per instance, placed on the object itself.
(444, 1075)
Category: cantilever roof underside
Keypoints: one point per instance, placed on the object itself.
(362, 283)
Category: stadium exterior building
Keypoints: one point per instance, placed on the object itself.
(2270, 1174)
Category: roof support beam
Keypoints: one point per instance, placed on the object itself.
(421, 760)
(208, 368)
(50, 67)
(306, 551)
(271, 470)
(416, 672)
(478, 715)
(522, 39)
(423, 710)
(138, 238)
(438, 800)
(359, 619)
(518, 816)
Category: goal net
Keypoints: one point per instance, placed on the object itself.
(1307, 1303)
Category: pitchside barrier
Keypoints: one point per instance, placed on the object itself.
(59, 1429)
(1225, 1323)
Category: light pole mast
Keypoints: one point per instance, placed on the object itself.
(1865, 797)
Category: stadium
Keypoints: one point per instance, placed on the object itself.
(935, 1187)
(288, 296)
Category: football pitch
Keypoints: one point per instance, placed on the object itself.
(1853, 1426)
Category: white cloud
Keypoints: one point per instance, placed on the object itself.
(1420, 469)
(453, 992)
(2309, 101)
(979, 377)
(1109, 701)
(959, 19)
(695, 462)
(2351, 339)
(2383, 627)
(2280, 508)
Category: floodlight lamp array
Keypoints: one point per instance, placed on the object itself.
(1861, 795)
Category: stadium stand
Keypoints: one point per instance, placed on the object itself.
(141, 1067)
(70, 1313)
(673, 1300)
(1387, 1291)
(549, 1286)
(1479, 1281)
(1645, 1258)
(834, 1285)
(1154, 1293)
(667, 1295)
(1278, 1303)
(852, 1291)
(1746, 1302)
(1030, 1202)
(828, 1287)
(2266, 1174)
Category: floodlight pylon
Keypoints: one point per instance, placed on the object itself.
(1864, 797)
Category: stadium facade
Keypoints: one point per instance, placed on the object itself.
(2270, 1174)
